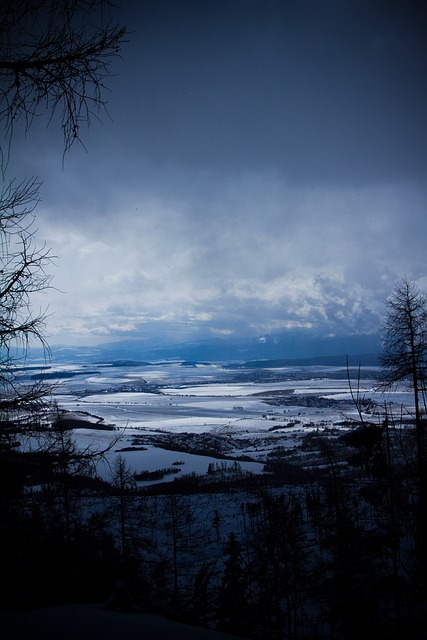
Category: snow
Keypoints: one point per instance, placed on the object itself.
(90, 621)
(157, 458)
(226, 404)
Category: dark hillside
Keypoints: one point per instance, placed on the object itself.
(91, 622)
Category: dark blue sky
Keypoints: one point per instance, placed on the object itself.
(264, 167)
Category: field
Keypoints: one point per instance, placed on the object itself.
(181, 417)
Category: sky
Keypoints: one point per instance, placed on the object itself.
(263, 168)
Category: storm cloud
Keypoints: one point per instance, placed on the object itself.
(264, 168)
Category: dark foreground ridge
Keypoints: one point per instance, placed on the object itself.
(90, 621)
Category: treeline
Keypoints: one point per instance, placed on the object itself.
(158, 474)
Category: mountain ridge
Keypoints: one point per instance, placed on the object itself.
(272, 347)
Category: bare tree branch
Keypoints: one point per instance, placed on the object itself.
(54, 58)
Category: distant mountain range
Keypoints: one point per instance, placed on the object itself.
(289, 347)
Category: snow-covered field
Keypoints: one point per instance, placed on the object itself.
(169, 400)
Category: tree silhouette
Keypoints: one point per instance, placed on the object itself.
(405, 347)
(233, 609)
(54, 57)
(22, 272)
(404, 360)
(123, 479)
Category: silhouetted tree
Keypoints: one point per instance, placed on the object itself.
(123, 479)
(22, 273)
(202, 606)
(233, 609)
(54, 57)
(404, 359)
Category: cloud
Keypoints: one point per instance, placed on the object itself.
(256, 256)
(264, 168)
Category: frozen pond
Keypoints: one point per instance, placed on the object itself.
(184, 463)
